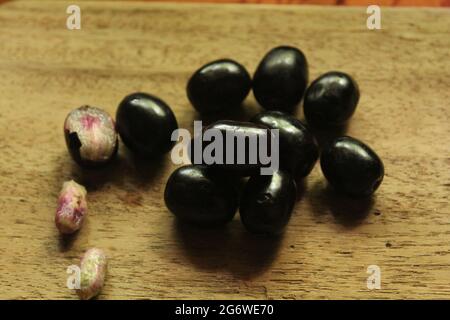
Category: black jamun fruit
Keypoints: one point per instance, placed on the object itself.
(200, 196)
(146, 123)
(218, 86)
(298, 148)
(91, 136)
(352, 167)
(281, 79)
(267, 203)
(233, 146)
(331, 99)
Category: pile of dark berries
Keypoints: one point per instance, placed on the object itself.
(210, 195)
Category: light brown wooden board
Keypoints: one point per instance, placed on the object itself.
(46, 70)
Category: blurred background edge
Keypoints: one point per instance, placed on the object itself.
(391, 3)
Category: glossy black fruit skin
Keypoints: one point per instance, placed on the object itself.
(145, 123)
(280, 79)
(228, 127)
(267, 203)
(331, 99)
(352, 167)
(297, 146)
(218, 86)
(199, 196)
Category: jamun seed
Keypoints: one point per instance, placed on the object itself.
(93, 269)
(91, 136)
(72, 207)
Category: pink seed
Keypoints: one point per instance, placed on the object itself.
(93, 269)
(72, 207)
(89, 121)
(91, 136)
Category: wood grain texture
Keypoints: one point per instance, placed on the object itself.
(407, 3)
(46, 70)
(402, 3)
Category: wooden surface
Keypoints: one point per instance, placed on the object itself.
(409, 3)
(46, 70)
